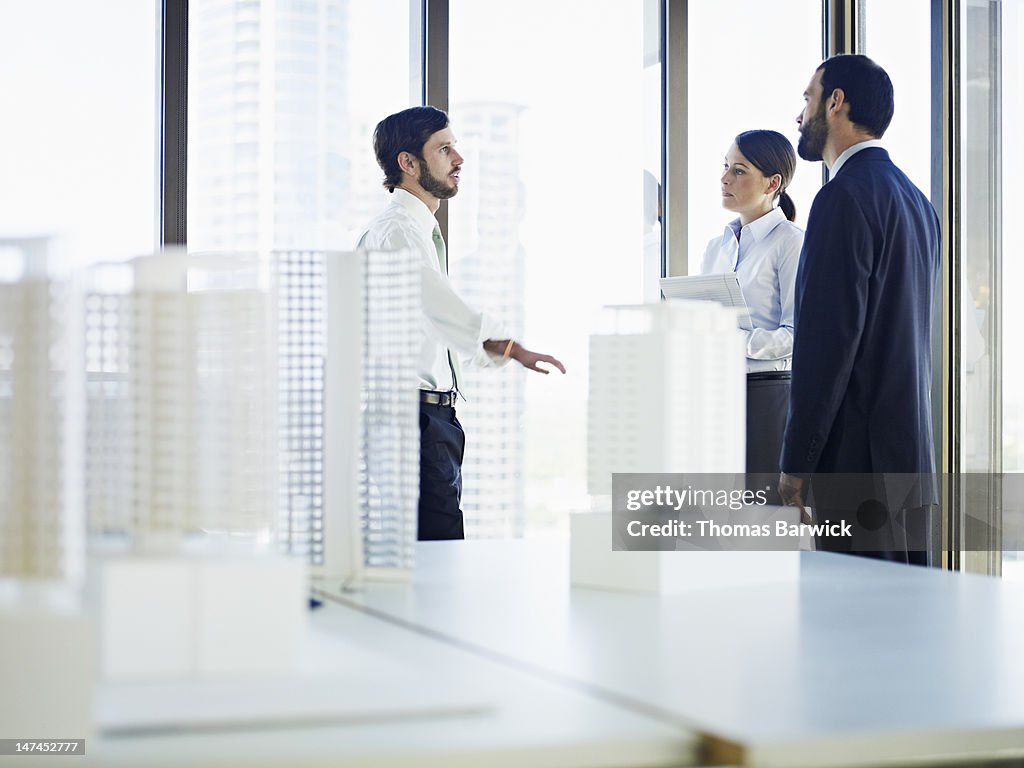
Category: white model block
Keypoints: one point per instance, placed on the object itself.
(251, 615)
(178, 396)
(48, 670)
(593, 563)
(370, 417)
(667, 393)
(39, 431)
(146, 617)
(173, 618)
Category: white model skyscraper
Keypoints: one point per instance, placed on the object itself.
(40, 532)
(348, 326)
(181, 448)
(44, 638)
(179, 394)
(667, 392)
(667, 396)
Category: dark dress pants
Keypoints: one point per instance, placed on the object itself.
(767, 406)
(442, 445)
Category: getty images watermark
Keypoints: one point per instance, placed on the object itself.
(708, 511)
(717, 506)
(846, 512)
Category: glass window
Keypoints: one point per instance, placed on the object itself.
(547, 228)
(283, 99)
(979, 210)
(1012, 115)
(990, 375)
(77, 142)
(898, 37)
(749, 63)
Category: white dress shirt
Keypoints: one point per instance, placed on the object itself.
(764, 255)
(449, 323)
(850, 152)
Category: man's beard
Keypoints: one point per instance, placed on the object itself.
(813, 135)
(434, 185)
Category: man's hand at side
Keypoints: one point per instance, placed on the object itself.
(791, 489)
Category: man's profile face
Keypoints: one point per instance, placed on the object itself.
(440, 165)
(812, 122)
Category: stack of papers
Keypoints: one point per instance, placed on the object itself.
(725, 289)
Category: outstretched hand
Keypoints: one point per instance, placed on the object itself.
(529, 359)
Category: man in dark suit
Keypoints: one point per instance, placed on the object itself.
(859, 428)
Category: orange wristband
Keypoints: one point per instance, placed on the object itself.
(508, 349)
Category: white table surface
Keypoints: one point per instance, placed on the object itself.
(487, 714)
(858, 661)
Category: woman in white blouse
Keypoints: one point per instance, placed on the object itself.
(762, 246)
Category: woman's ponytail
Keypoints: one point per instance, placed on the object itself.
(787, 205)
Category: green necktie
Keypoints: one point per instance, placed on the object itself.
(442, 260)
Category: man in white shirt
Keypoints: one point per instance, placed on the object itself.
(416, 150)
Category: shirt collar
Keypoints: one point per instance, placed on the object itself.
(759, 228)
(850, 152)
(416, 208)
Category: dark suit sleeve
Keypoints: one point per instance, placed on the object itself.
(831, 304)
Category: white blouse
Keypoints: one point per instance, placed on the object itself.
(764, 255)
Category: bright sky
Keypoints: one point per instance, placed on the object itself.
(580, 78)
(77, 140)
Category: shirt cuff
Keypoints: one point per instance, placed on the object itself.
(763, 344)
(490, 329)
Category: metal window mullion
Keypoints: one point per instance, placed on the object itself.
(843, 31)
(952, 266)
(674, 136)
(995, 338)
(173, 123)
(844, 26)
(433, 70)
(435, 53)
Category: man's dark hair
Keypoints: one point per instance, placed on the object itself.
(405, 131)
(867, 87)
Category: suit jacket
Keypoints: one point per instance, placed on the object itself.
(861, 391)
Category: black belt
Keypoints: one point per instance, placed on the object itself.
(438, 398)
(770, 376)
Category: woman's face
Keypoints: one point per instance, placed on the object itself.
(745, 190)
